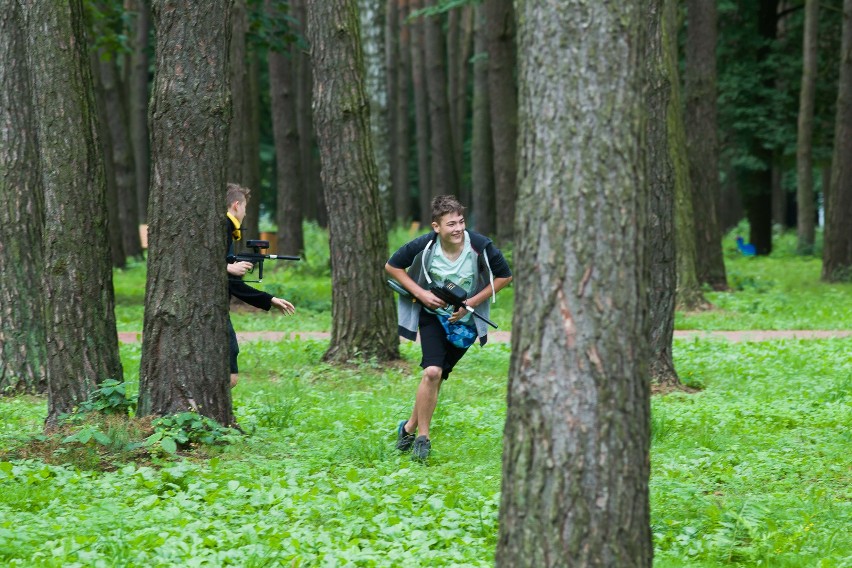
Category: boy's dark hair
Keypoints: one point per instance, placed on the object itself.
(236, 193)
(444, 204)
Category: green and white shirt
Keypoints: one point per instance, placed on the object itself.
(461, 271)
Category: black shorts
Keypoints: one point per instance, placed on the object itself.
(437, 349)
(235, 347)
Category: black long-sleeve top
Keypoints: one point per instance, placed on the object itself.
(238, 288)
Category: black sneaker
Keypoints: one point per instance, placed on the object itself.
(404, 440)
(422, 448)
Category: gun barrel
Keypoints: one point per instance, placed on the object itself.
(283, 257)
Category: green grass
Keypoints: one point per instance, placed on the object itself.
(752, 471)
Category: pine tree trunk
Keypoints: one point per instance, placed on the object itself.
(421, 111)
(285, 128)
(119, 258)
(837, 248)
(482, 158)
(503, 97)
(314, 200)
(689, 295)
(459, 43)
(399, 78)
(372, 14)
(363, 315)
(576, 443)
(23, 354)
(82, 342)
(702, 142)
(806, 220)
(444, 175)
(660, 234)
(184, 350)
(138, 93)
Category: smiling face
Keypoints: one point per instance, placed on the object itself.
(450, 229)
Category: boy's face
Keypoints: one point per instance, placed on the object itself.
(238, 209)
(450, 229)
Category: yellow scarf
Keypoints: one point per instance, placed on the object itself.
(237, 233)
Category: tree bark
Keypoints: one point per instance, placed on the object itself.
(399, 78)
(82, 342)
(421, 112)
(576, 443)
(659, 174)
(285, 127)
(363, 315)
(138, 92)
(104, 138)
(23, 353)
(482, 157)
(806, 220)
(444, 174)
(837, 247)
(186, 298)
(313, 202)
(373, 15)
(502, 61)
(702, 141)
(459, 44)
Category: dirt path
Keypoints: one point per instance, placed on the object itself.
(505, 336)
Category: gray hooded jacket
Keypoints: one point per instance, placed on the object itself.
(416, 256)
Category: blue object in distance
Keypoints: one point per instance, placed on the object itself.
(746, 248)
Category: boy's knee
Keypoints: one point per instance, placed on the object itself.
(432, 374)
(235, 378)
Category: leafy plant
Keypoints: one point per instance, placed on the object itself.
(179, 431)
(110, 398)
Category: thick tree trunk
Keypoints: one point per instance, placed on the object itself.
(576, 444)
(363, 314)
(806, 217)
(482, 158)
(459, 44)
(399, 78)
(138, 93)
(285, 128)
(702, 142)
(502, 60)
(23, 353)
(373, 15)
(444, 175)
(659, 174)
(186, 298)
(82, 342)
(421, 112)
(837, 250)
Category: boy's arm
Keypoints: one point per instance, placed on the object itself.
(423, 296)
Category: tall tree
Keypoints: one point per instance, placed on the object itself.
(444, 174)
(363, 315)
(459, 45)
(576, 443)
(702, 143)
(806, 221)
(186, 298)
(285, 127)
(138, 96)
(82, 342)
(660, 235)
(23, 354)
(502, 61)
(399, 77)
(373, 14)
(837, 248)
(482, 158)
(421, 114)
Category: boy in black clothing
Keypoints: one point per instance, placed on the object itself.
(469, 260)
(236, 199)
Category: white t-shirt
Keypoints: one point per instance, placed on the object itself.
(461, 271)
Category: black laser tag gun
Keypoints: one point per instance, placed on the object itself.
(256, 258)
(450, 293)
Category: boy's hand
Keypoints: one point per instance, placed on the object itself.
(286, 307)
(430, 300)
(239, 268)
